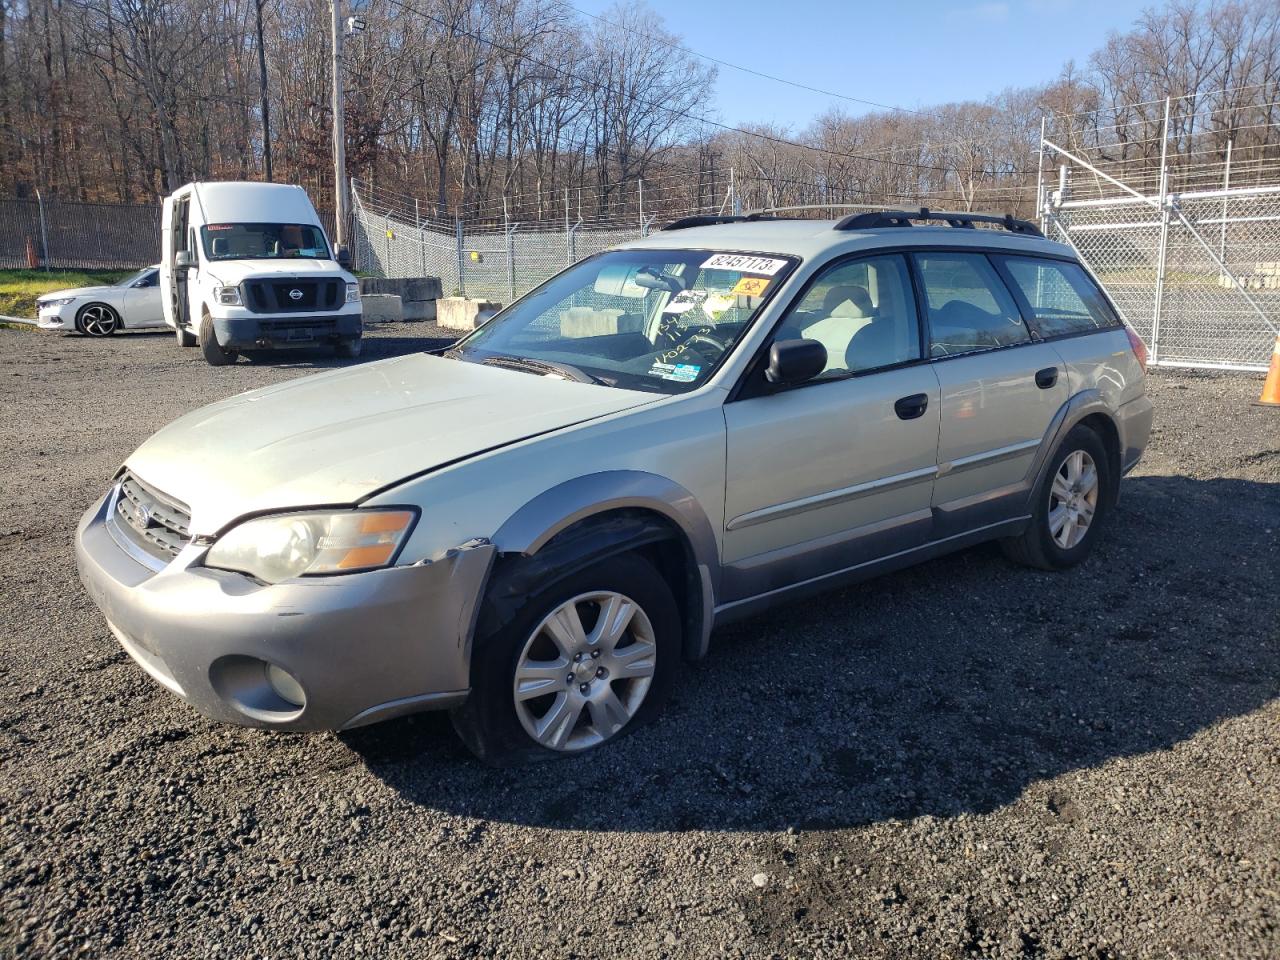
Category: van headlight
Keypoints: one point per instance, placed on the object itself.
(300, 544)
(227, 296)
(353, 293)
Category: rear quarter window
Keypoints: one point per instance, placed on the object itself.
(1063, 298)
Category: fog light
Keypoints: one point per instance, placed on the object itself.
(285, 686)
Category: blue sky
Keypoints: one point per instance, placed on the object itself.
(912, 53)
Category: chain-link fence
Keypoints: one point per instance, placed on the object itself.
(63, 235)
(1196, 274)
(499, 261)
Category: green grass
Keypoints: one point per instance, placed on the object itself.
(19, 288)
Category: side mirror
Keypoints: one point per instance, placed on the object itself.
(342, 253)
(184, 260)
(795, 361)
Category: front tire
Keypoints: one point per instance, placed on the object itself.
(214, 353)
(349, 348)
(185, 337)
(98, 320)
(1071, 503)
(585, 660)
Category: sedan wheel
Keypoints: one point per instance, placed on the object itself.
(585, 671)
(98, 320)
(1073, 499)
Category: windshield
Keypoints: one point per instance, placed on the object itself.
(264, 241)
(658, 320)
(133, 278)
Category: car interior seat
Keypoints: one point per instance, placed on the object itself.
(886, 338)
(846, 309)
(219, 246)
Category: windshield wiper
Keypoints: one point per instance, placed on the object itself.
(542, 366)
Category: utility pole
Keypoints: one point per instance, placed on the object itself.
(263, 99)
(339, 131)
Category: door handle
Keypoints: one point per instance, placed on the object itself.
(1047, 377)
(909, 408)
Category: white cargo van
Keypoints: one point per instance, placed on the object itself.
(247, 266)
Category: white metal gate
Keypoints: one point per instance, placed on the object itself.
(1196, 274)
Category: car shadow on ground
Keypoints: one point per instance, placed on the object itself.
(945, 689)
(322, 358)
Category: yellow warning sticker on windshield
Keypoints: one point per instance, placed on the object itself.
(751, 286)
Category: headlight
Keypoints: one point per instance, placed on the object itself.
(46, 304)
(353, 293)
(229, 296)
(297, 544)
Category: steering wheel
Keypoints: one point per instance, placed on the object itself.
(705, 336)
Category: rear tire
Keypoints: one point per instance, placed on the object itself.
(185, 337)
(1070, 505)
(214, 353)
(600, 684)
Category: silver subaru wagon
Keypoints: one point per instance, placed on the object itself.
(536, 528)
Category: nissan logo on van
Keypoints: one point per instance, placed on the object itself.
(295, 294)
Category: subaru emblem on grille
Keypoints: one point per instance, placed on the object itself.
(140, 516)
(295, 294)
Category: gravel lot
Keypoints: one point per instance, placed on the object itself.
(966, 759)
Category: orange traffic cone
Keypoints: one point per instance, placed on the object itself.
(1271, 388)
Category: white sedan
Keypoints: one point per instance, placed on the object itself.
(100, 311)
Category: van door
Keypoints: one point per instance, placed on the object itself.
(837, 471)
(1000, 391)
(175, 233)
(167, 293)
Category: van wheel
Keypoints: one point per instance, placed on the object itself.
(185, 337)
(348, 348)
(1070, 505)
(214, 353)
(584, 661)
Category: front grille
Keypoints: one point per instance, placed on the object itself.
(157, 523)
(276, 296)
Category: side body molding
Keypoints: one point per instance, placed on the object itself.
(555, 510)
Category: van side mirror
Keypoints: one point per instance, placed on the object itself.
(795, 361)
(343, 256)
(184, 260)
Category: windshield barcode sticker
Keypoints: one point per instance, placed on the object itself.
(744, 263)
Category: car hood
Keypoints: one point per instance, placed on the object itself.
(337, 437)
(233, 272)
(101, 291)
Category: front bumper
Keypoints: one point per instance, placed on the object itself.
(252, 332)
(57, 318)
(363, 647)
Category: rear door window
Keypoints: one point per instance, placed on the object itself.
(969, 306)
(1062, 297)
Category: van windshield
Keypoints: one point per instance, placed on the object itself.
(264, 241)
(657, 320)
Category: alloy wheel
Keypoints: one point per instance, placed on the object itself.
(99, 321)
(584, 671)
(1073, 499)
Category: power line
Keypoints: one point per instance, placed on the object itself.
(782, 141)
(755, 73)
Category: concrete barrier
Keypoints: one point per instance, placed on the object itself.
(380, 308)
(464, 313)
(418, 295)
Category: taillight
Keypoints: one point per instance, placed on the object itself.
(1139, 348)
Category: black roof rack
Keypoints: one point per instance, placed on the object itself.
(701, 220)
(960, 219)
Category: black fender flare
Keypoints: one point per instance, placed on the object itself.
(583, 520)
